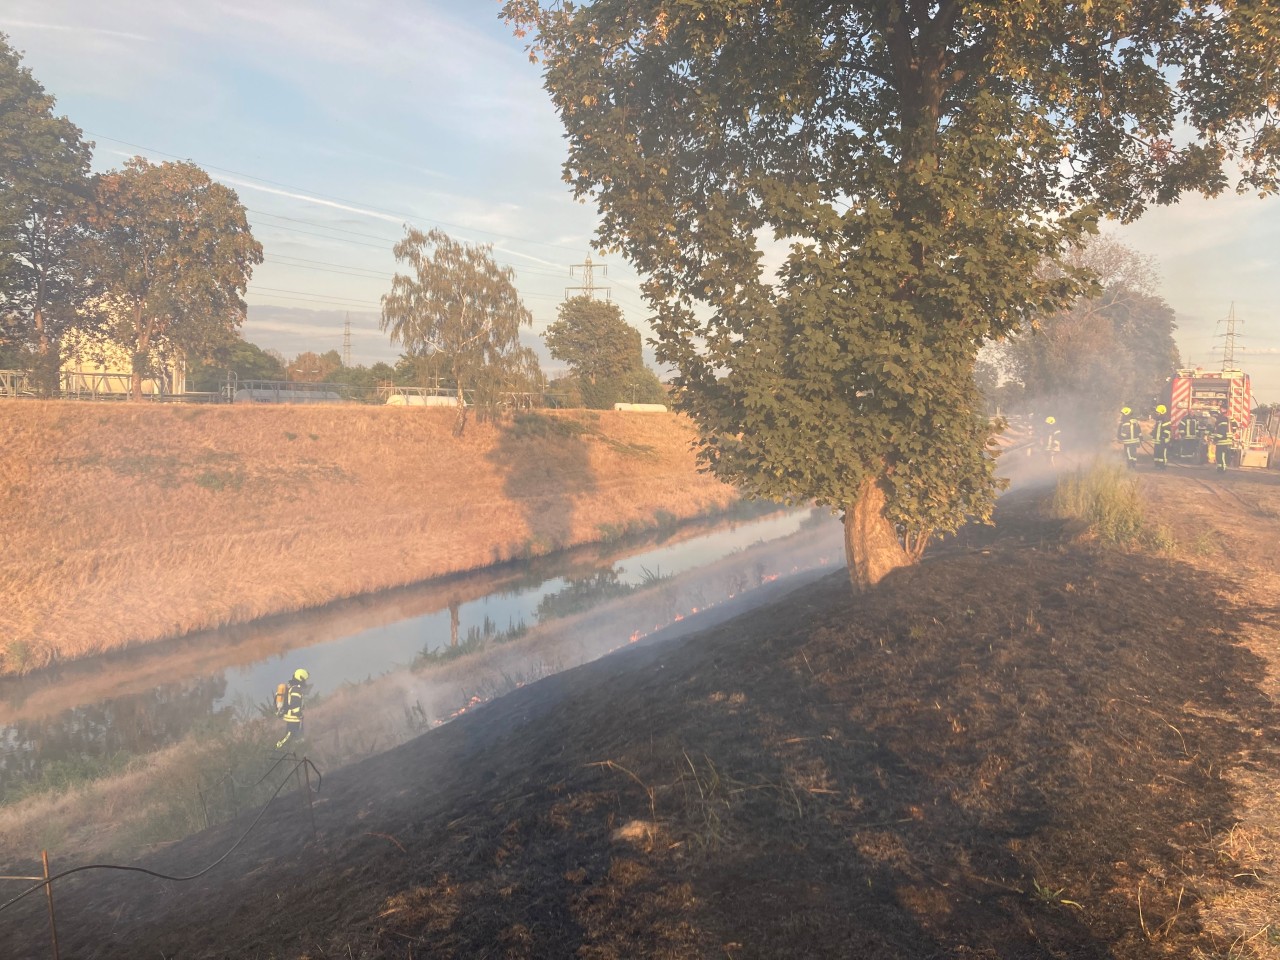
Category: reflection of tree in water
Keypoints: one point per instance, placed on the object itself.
(99, 737)
(582, 594)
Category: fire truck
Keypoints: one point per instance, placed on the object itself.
(1211, 395)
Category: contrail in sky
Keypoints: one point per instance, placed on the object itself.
(309, 199)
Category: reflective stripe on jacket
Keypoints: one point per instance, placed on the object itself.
(293, 705)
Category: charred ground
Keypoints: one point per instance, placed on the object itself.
(1028, 746)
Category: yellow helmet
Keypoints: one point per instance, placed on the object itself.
(1162, 409)
(1125, 411)
(301, 675)
(1050, 420)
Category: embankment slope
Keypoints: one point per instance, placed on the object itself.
(126, 523)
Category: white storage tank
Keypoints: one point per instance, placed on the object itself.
(641, 407)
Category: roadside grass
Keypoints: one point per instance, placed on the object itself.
(137, 522)
(1106, 500)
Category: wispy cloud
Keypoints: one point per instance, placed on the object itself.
(76, 29)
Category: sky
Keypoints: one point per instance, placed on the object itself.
(338, 123)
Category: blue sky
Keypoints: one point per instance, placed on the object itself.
(339, 122)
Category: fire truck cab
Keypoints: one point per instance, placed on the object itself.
(1208, 396)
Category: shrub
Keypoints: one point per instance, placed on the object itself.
(1104, 498)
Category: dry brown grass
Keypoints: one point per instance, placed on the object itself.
(125, 524)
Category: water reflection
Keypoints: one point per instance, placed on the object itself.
(87, 718)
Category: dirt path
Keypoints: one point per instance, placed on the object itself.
(1230, 523)
(1026, 747)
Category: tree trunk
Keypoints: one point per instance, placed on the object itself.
(871, 547)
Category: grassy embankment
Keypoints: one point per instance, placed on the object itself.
(125, 524)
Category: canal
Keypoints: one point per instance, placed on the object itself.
(82, 720)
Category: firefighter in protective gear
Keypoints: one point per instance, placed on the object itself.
(1129, 433)
(1161, 437)
(289, 706)
(1190, 430)
(1223, 438)
(1051, 440)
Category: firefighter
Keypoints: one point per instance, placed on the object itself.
(289, 705)
(1129, 433)
(1161, 436)
(1189, 442)
(1223, 437)
(1051, 441)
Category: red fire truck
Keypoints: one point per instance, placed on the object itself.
(1210, 395)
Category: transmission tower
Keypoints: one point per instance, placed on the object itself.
(588, 288)
(346, 343)
(1229, 340)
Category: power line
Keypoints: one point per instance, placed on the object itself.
(305, 293)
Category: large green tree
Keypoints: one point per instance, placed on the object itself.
(174, 254)
(604, 352)
(457, 302)
(834, 204)
(45, 191)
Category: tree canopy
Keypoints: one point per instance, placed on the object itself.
(174, 254)
(45, 190)
(1112, 347)
(835, 204)
(604, 351)
(247, 361)
(459, 303)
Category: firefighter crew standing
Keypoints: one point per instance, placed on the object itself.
(289, 705)
(1129, 433)
(1161, 437)
(1223, 438)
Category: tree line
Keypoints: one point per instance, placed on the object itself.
(153, 257)
(157, 258)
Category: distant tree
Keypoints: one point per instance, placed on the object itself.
(235, 356)
(45, 190)
(456, 302)
(604, 352)
(314, 367)
(174, 254)
(1112, 346)
(911, 163)
(593, 339)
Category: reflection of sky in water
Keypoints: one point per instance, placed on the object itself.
(371, 653)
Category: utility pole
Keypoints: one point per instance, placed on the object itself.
(1229, 340)
(588, 288)
(346, 343)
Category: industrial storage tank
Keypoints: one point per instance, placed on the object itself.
(420, 400)
(641, 407)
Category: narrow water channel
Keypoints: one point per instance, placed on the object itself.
(87, 719)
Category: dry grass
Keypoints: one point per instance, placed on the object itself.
(127, 523)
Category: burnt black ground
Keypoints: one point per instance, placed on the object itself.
(1024, 747)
